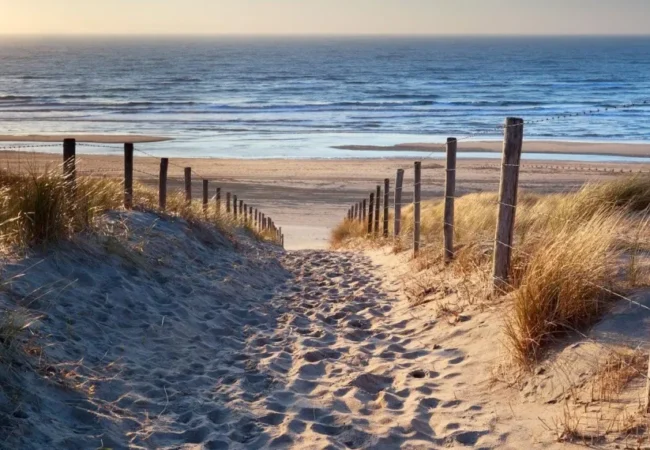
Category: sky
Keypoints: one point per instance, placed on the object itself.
(345, 17)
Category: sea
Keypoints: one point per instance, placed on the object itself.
(300, 97)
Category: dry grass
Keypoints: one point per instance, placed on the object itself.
(38, 207)
(568, 247)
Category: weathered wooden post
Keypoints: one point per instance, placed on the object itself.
(450, 194)
(128, 176)
(245, 214)
(417, 190)
(205, 196)
(377, 209)
(250, 217)
(241, 207)
(228, 202)
(218, 200)
(363, 211)
(257, 219)
(371, 205)
(188, 185)
(356, 211)
(69, 164)
(399, 181)
(162, 184)
(234, 206)
(386, 201)
(512, 145)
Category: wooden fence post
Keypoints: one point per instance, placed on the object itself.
(250, 217)
(234, 206)
(205, 196)
(69, 164)
(377, 209)
(417, 190)
(512, 145)
(188, 185)
(257, 219)
(162, 184)
(386, 201)
(371, 205)
(218, 200)
(128, 176)
(228, 202)
(245, 214)
(241, 207)
(450, 194)
(398, 202)
(363, 211)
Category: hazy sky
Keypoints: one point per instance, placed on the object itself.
(325, 16)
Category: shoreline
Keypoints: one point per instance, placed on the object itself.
(637, 150)
(91, 138)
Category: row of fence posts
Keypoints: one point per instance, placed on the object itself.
(503, 243)
(239, 210)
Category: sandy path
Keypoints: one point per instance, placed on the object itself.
(339, 370)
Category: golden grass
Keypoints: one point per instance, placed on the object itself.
(38, 207)
(567, 248)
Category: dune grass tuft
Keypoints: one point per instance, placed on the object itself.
(566, 245)
(38, 207)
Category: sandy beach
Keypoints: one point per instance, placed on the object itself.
(309, 197)
(555, 147)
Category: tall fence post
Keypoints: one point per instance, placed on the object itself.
(257, 219)
(218, 200)
(371, 205)
(242, 211)
(162, 184)
(205, 196)
(417, 191)
(128, 176)
(399, 181)
(377, 209)
(512, 145)
(188, 185)
(450, 194)
(386, 201)
(245, 214)
(234, 206)
(228, 202)
(69, 164)
(363, 211)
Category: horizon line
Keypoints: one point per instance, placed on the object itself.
(299, 35)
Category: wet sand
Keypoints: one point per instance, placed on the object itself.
(582, 148)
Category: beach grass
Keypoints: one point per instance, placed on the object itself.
(568, 258)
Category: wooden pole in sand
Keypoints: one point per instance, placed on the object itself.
(69, 165)
(417, 190)
(250, 216)
(241, 207)
(245, 214)
(218, 200)
(371, 205)
(162, 184)
(377, 209)
(188, 185)
(386, 201)
(228, 202)
(512, 145)
(257, 219)
(205, 196)
(234, 206)
(363, 211)
(356, 211)
(128, 176)
(398, 202)
(450, 194)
